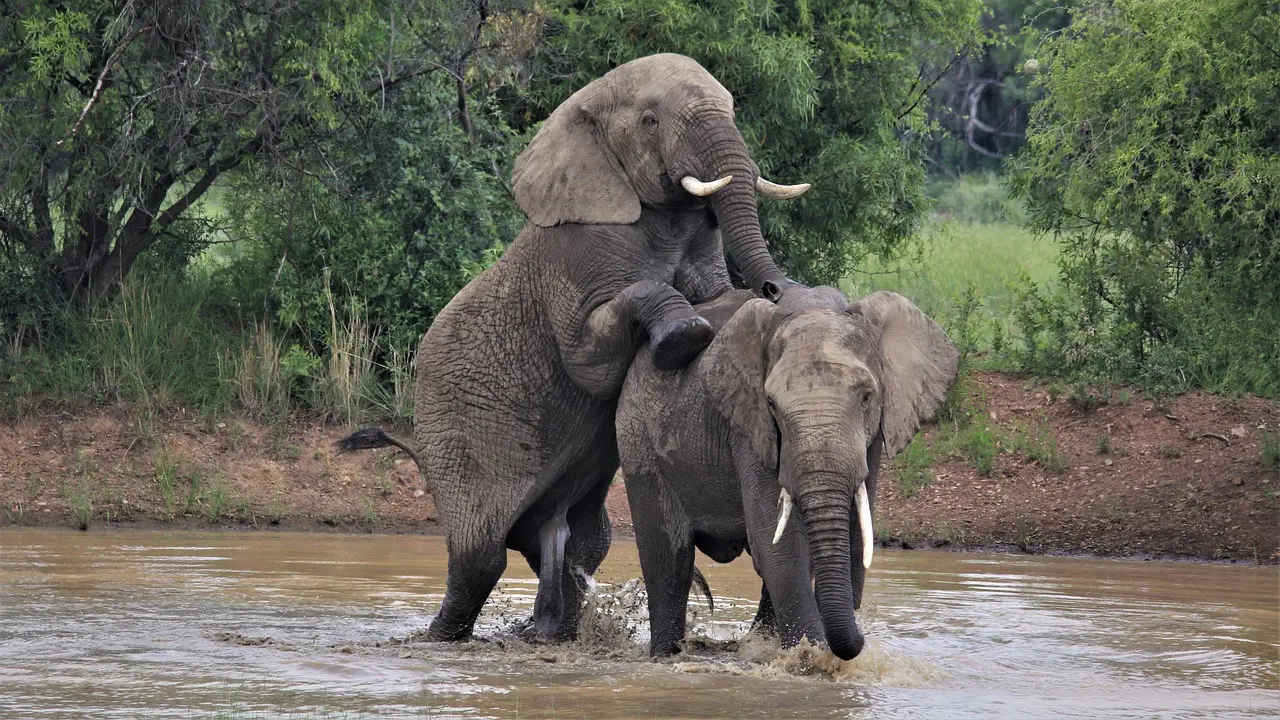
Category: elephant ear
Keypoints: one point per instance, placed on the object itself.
(568, 174)
(918, 365)
(732, 369)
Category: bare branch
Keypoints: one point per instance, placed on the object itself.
(102, 78)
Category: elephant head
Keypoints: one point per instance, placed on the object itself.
(811, 384)
(656, 132)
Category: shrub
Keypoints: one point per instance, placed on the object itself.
(1153, 158)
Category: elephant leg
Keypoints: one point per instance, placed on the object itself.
(590, 534)
(664, 538)
(549, 605)
(676, 332)
(766, 620)
(598, 354)
(474, 570)
(784, 565)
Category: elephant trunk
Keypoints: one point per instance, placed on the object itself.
(825, 508)
(720, 151)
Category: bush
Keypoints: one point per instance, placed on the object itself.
(417, 213)
(1153, 158)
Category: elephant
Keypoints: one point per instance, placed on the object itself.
(792, 405)
(632, 188)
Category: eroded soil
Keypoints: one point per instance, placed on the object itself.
(1180, 479)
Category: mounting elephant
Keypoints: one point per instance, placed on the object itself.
(796, 402)
(628, 188)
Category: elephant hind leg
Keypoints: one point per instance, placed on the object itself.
(549, 605)
(473, 573)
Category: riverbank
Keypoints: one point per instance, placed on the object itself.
(1036, 472)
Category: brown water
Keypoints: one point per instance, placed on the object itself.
(133, 624)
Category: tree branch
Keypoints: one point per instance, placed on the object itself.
(211, 173)
(925, 92)
(20, 233)
(102, 78)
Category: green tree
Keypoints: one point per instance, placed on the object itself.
(828, 91)
(118, 116)
(415, 213)
(1156, 156)
(406, 201)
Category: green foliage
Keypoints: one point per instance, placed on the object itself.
(80, 497)
(166, 477)
(1153, 156)
(977, 198)
(1040, 446)
(979, 444)
(153, 344)
(827, 91)
(1269, 450)
(980, 107)
(966, 273)
(912, 466)
(119, 116)
(417, 213)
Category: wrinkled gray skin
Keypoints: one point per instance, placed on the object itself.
(808, 394)
(518, 376)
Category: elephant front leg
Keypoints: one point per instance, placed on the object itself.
(766, 620)
(664, 538)
(598, 356)
(783, 565)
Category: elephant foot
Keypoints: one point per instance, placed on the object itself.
(437, 632)
(678, 342)
(534, 633)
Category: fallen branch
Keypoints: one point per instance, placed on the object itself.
(1216, 436)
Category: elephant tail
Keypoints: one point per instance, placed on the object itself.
(701, 581)
(373, 438)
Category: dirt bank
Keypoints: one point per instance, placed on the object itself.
(1126, 478)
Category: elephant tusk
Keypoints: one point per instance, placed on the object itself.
(783, 515)
(864, 524)
(703, 189)
(780, 192)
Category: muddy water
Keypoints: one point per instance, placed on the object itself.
(182, 624)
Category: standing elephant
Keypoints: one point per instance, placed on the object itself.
(627, 188)
(796, 400)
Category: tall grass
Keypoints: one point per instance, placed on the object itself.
(157, 345)
(350, 385)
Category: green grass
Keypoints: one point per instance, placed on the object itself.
(164, 344)
(1269, 450)
(956, 257)
(913, 467)
(166, 477)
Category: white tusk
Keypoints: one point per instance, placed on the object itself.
(783, 515)
(780, 192)
(864, 524)
(703, 189)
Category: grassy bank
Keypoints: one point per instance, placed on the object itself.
(171, 344)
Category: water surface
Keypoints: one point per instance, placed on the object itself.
(137, 624)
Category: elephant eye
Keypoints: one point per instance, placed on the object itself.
(866, 398)
(649, 119)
